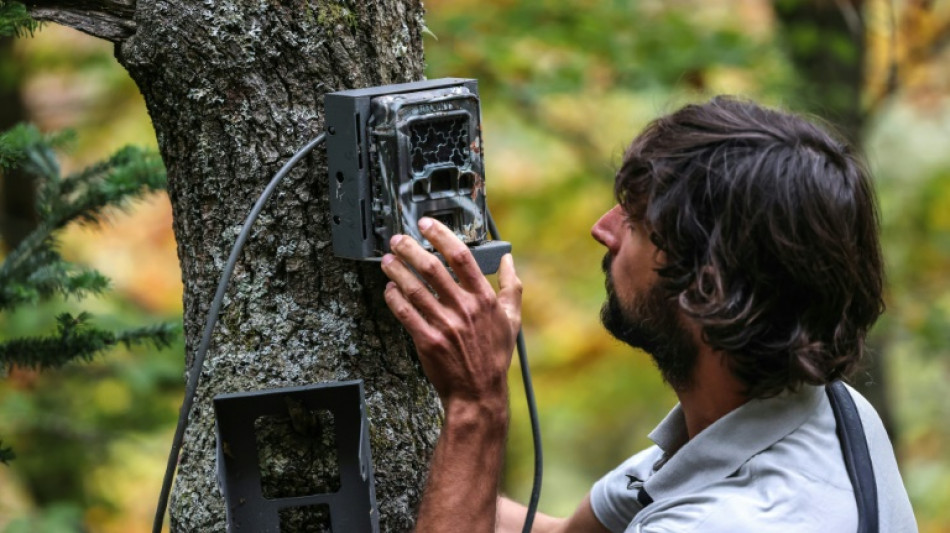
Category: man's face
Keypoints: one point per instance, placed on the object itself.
(638, 311)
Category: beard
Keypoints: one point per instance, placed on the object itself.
(652, 323)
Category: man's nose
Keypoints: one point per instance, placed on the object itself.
(605, 231)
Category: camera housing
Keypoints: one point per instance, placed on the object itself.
(397, 153)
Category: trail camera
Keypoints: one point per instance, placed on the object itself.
(397, 153)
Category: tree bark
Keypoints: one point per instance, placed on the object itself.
(234, 88)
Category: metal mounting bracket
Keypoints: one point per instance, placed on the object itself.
(397, 153)
(352, 507)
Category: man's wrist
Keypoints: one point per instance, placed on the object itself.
(484, 415)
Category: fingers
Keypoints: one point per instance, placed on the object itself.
(456, 254)
(473, 294)
(409, 285)
(422, 261)
(507, 278)
(509, 291)
(404, 311)
(465, 335)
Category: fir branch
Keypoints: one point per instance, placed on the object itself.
(18, 142)
(47, 275)
(16, 21)
(35, 271)
(34, 246)
(74, 339)
(85, 196)
(33, 254)
(130, 173)
(158, 335)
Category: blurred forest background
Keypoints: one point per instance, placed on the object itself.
(565, 86)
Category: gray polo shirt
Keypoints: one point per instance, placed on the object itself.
(772, 465)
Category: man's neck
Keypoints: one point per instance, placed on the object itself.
(713, 393)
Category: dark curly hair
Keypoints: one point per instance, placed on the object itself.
(769, 230)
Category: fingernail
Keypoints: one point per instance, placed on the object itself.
(388, 258)
(396, 239)
(425, 223)
(391, 285)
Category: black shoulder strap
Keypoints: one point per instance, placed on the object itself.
(857, 459)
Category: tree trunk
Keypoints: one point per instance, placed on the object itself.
(234, 88)
(825, 42)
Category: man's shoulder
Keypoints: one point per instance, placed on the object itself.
(756, 501)
(799, 484)
(896, 513)
(872, 424)
(611, 498)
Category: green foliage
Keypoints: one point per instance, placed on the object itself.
(86, 195)
(71, 426)
(34, 271)
(44, 274)
(58, 518)
(76, 338)
(19, 145)
(535, 45)
(15, 21)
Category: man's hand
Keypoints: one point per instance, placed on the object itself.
(464, 333)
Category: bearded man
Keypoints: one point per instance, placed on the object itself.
(743, 255)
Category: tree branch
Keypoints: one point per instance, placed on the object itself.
(113, 20)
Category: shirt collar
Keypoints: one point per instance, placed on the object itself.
(720, 449)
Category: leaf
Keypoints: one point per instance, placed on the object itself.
(15, 20)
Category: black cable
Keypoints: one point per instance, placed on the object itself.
(532, 411)
(212, 319)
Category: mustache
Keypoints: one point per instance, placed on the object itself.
(605, 264)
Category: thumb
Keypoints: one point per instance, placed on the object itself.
(509, 291)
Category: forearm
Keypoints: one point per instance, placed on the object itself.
(511, 517)
(465, 470)
(464, 332)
